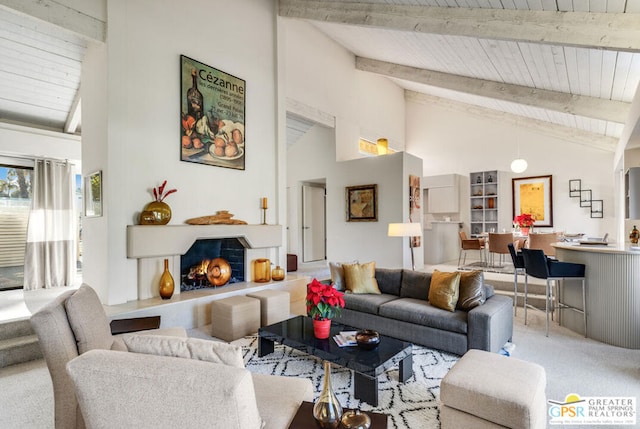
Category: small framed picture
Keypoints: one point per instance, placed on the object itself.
(575, 186)
(596, 209)
(93, 194)
(585, 198)
(362, 203)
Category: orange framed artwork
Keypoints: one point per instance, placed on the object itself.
(534, 195)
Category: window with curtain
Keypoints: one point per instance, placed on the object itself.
(15, 205)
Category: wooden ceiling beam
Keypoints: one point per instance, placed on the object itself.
(613, 31)
(591, 107)
(573, 135)
(63, 16)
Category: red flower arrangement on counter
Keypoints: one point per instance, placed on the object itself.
(323, 300)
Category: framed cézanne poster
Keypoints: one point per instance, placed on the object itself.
(212, 116)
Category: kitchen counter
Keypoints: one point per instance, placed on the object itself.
(612, 292)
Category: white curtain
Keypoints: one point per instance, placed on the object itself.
(50, 257)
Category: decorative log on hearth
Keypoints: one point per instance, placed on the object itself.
(222, 217)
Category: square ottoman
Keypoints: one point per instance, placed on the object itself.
(488, 390)
(235, 317)
(274, 305)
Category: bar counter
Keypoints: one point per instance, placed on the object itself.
(612, 289)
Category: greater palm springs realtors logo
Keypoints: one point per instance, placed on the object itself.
(593, 410)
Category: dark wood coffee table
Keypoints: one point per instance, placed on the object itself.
(367, 365)
(304, 418)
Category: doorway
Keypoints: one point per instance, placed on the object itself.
(313, 222)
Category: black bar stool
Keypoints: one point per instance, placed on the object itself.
(518, 267)
(539, 266)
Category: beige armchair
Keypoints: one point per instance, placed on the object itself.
(72, 324)
(182, 383)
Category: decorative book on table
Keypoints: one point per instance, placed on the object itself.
(346, 338)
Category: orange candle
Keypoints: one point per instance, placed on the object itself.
(264, 203)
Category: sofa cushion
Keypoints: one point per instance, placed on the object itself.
(366, 303)
(415, 284)
(444, 290)
(471, 290)
(488, 291)
(88, 320)
(188, 348)
(389, 280)
(360, 278)
(337, 275)
(420, 312)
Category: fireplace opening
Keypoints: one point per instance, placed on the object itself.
(194, 263)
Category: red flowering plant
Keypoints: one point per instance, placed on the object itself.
(159, 194)
(524, 220)
(323, 300)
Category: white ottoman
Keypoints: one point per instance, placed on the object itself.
(274, 305)
(487, 390)
(235, 317)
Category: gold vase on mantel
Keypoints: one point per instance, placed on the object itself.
(166, 282)
(156, 213)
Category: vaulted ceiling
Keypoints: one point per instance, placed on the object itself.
(566, 67)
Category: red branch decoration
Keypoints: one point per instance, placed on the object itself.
(159, 194)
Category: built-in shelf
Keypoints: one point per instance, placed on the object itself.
(483, 198)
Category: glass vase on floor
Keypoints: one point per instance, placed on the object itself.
(327, 410)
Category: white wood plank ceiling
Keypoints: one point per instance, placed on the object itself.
(39, 72)
(572, 64)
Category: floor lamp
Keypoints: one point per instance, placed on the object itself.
(410, 229)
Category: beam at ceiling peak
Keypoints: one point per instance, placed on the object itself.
(591, 107)
(614, 31)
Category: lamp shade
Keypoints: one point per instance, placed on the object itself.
(410, 229)
(518, 165)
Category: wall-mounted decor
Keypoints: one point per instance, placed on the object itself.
(362, 203)
(575, 185)
(212, 119)
(597, 210)
(585, 198)
(534, 195)
(93, 194)
(414, 205)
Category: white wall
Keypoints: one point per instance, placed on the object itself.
(136, 90)
(322, 74)
(452, 141)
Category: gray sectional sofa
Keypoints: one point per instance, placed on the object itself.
(402, 311)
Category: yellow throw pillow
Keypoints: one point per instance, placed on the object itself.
(361, 278)
(444, 290)
(471, 290)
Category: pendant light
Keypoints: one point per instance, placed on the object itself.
(518, 165)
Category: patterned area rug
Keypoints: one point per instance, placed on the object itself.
(411, 405)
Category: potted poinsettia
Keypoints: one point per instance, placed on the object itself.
(524, 221)
(324, 302)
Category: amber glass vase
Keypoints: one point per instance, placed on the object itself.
(327, 410)
(166, 282)
(156, 213)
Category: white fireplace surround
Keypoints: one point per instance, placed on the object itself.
(151, 244)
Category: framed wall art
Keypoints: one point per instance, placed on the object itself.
(362, 203)
(93, 194)
(534, 195)
(415, 192)
(212, 116)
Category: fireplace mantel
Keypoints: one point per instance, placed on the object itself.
(152, 241)
(150, 244)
